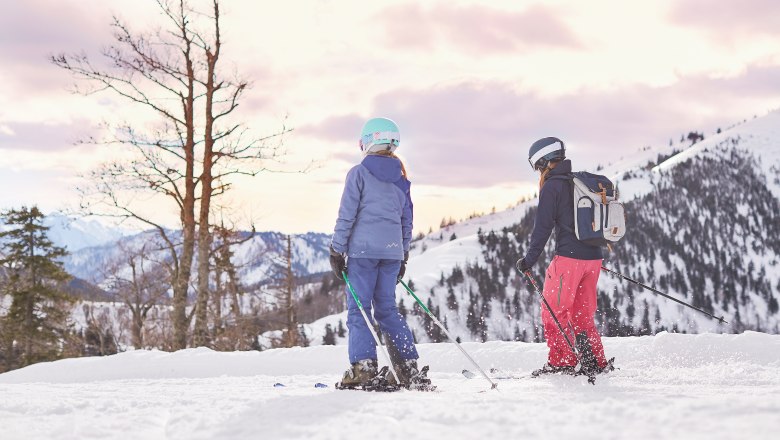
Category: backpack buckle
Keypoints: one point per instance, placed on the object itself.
(603, 193)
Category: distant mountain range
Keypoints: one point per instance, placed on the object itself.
(257, 258)
(94, 247)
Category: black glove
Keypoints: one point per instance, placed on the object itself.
(522, 266)
(337, 263)
(402, 270)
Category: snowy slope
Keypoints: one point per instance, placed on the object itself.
(701, 240)
(760, 136)
(669, 386)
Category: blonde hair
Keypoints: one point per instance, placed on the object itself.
(389, 153)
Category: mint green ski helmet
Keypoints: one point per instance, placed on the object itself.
(379, 134)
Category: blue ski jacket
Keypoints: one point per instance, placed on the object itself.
(556, 210)
(375, 215)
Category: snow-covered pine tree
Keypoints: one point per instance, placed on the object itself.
(330, 336)
(37, 321)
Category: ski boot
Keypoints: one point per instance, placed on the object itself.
(411, 377)
(607, 368)
(364, 375)
(589, 366)
(554, 369)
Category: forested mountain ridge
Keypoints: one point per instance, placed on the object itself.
(703, 226)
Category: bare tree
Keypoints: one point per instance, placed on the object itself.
(174, 73)
(232, 329)
(141, 282)
(99, 336)
(292, 332)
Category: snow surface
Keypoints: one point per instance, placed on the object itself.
(677, 386)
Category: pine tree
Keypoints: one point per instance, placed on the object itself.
(452, 300)
(330, 337)
(37, 320)
(646, 328)
(401, 308)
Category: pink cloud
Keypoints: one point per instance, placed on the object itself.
(32, 30)
(477, 134)
(343, 130)
(476, 29)
(725, 19)
(44, 137)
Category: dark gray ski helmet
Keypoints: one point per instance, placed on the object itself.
(544, 151)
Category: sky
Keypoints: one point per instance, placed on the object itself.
(471, 85)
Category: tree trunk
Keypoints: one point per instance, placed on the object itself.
(292, 322)
(29, 314)
(201, 337)
(219, 294)
(137, 328)
(182, 274)
(233, 289)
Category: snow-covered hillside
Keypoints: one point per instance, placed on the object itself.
(669, 386)
(703, 225)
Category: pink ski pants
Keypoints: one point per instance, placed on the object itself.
(570, 289)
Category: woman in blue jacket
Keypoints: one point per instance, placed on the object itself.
(372, 234)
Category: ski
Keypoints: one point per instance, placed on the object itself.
(378, 388)
(498, 375)
(316, 385)
(387, 388)
(381, 383)
(495, 375)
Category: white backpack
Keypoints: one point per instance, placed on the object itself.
(599, 218)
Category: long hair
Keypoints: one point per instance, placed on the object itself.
(391, 154)
(545, 172)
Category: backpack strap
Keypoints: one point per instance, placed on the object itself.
(603, 193)
(570, 178)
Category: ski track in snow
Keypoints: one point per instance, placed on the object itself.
(668, 386)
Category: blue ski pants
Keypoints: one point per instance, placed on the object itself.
(374, 282)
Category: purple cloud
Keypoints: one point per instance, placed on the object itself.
(477, 134)
(31, 31)
(476, 29)
(342, 130)
(726, 18)
(44, 137)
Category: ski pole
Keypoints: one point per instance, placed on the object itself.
(549, 309)
(371, 328)
(621, 276)
(493, 385)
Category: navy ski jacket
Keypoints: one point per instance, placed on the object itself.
(556, 210)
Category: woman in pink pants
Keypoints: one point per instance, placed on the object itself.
(570, 281)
